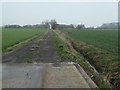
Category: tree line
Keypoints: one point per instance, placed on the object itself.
(52, 24)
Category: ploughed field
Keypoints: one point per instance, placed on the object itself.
(14, 36)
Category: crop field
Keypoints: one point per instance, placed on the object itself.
(11, 37)
(104, 39)
(100, 48)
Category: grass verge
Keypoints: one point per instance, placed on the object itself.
(67, 54)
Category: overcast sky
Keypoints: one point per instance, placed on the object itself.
(88, 13)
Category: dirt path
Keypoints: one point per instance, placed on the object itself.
(44, 71)
(39, 50)
(47, 51)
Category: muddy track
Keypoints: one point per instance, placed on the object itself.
(38, 50)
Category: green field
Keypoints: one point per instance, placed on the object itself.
(11, 37)
(105, 39)
(100, 48)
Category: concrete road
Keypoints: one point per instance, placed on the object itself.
(44, 75)
(63, 76)
(21, 76)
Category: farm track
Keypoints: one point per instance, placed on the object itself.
(46, 72)
(39, 50)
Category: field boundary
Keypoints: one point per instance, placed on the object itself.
(75, 53)
(91, 70)
(85, 76)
